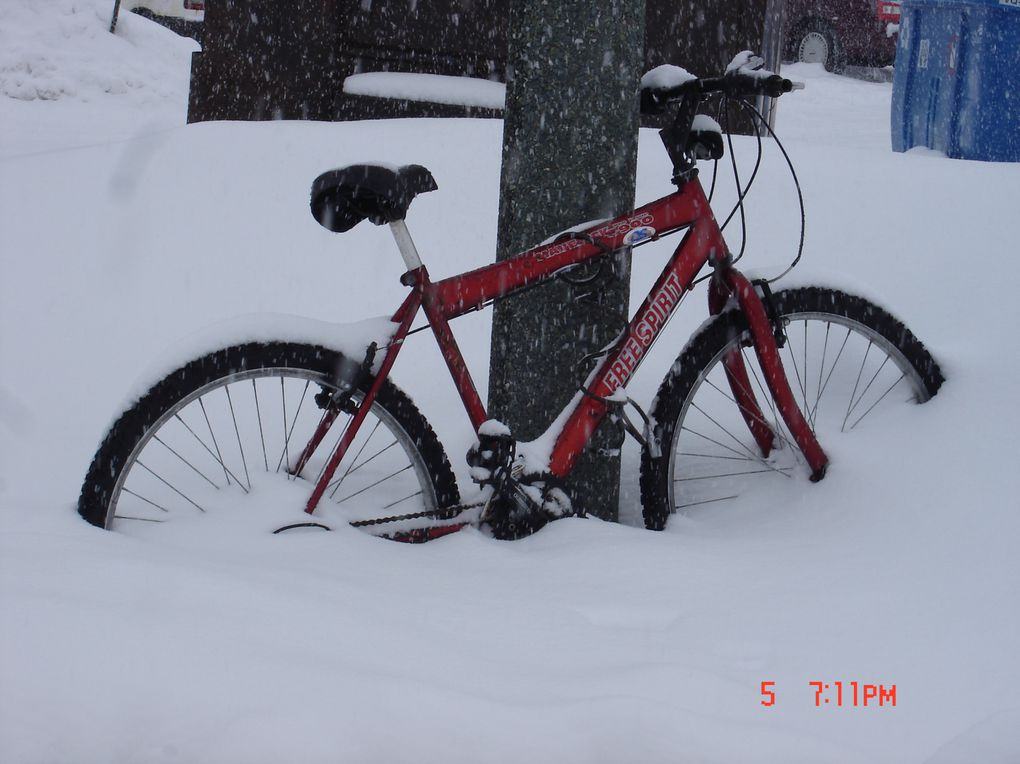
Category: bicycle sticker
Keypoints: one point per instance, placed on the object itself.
(660, 306)
(638, 235)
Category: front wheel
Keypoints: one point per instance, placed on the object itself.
(849, 364)
(217, 441)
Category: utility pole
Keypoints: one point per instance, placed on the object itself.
(569, 155)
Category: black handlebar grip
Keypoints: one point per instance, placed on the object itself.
(749, 84)
(736, 83)
(775, 86)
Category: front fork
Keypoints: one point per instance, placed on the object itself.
(727, 282)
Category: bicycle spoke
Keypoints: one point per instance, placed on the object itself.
(237, 432)
(354, 461)
(219, 461)
(774, 429)
(733, 400)
(401, 501)
(722, 392)
(821, 370)
(192, 466)
(868, 387)
(857, 384)
(753, 455)
(373, 485)
(258, 414)
(893, 385)
(283, 399)
(373, 456)
(806, 374)
(147, 501)
(171, 487)
(796, 369)
(831, 370)
(688, 454)
(750, 458)
(704, 501)
(142, 519)
(289, 432)
(219, 456)
(733, 437)
(730, 474)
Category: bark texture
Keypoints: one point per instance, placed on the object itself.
(569, 155)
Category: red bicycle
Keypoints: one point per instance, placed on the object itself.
(320, 427)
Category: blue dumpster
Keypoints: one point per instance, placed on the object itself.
(956, 87)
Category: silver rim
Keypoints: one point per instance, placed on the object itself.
(844, 376)
(235, 441)
(814, 48)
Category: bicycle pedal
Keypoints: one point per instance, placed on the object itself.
(491, 458)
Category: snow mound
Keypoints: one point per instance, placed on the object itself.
(437, 88)
(63, 50)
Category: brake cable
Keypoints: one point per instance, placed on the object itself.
(742, 192)
(796, 182)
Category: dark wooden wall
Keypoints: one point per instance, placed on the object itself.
(266, 59)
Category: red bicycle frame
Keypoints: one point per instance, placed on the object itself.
(702, 244)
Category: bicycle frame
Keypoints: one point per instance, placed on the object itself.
(702, 243)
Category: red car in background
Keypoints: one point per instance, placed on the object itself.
(841, 33)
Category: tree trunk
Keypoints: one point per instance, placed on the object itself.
(569, 155)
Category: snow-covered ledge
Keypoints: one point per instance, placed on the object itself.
(434, 88)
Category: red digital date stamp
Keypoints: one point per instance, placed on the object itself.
(841, 694)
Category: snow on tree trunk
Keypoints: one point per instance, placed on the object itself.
(569, 155)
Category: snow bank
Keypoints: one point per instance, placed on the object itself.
(63, 50)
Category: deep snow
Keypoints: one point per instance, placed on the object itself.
(123, 232)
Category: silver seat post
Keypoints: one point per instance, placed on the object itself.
(405, 245)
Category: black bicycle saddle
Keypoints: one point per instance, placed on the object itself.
(344, 197)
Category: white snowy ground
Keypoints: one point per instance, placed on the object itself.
(123, 231)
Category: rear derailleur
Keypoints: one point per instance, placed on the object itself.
(518, 502)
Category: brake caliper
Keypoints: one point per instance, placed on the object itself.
(349, 376)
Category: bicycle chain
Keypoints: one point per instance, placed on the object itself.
(447, 513)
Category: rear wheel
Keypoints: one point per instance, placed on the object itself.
(217, 442)
(850, 365)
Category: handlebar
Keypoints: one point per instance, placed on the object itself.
(735, 83)
(741, 84)
(668, 84)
